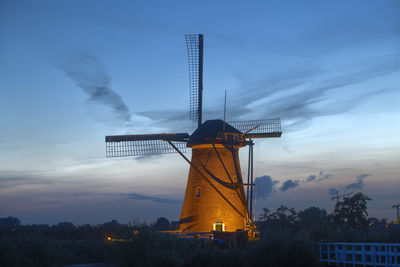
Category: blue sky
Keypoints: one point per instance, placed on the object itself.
(329, 69)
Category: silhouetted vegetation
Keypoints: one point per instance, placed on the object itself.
(65, 243)
(347, 223)
(287, 238)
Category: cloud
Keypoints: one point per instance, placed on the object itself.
(311, 178)
(362, 176)
(322, 176)
(314, 178)
(265, 186)
(289, 184)
(148, 157)
(358, 184)
(88, 73)
(305, 95)
(153, 199)
(175, 120)
(296, 95)
(16, 179)
(333, 191)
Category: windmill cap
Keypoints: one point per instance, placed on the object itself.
(209, 131)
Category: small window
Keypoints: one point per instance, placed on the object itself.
(229, 137)
(197, 193)
(234, 178)
(218, 226)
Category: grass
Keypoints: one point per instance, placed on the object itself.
(150, 248)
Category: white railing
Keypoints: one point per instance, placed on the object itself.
(360, 254)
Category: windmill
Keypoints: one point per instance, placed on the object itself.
(215, 196)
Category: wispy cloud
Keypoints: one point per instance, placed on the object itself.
(317, 178)
(295, 95)
(305, 95)
(87, 72)
(266, 185)
(314, 178)
(176, 120)
(333, 191)
(15, 179)
(19, 181)
(358, 184)
(147, 157)
(289, 184)
(153, 198)
(323, 176)
(310, 178)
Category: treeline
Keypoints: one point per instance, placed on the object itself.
(68, 230)
(11, 226)
(349, 222)
(287, 239)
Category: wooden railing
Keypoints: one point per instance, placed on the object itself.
(200, 235)
(360, 254)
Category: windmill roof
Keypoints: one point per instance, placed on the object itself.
(209, 129)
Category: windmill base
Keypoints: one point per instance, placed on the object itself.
(238, 238)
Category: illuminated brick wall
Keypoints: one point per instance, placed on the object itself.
(203, 205)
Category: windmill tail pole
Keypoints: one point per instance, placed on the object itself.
(251, 180)
(224, 111)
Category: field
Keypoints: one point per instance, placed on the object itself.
(48, 246)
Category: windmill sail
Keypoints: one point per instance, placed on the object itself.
(259, 128)
(144, 144)
(194, 44)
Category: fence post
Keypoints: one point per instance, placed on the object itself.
(320, 251)
(329, 253)
(373, 255)
(337, 255)
(363, 255)
(386, 255)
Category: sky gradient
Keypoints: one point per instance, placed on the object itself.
(74, 71)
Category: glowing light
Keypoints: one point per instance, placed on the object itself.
(109, 238)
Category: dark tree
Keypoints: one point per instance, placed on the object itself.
(9, 222)
(313, 221)
(283, 219)
(312, 217)
(65, 226)
(162, 223)
(352, 211)
(373, 222)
